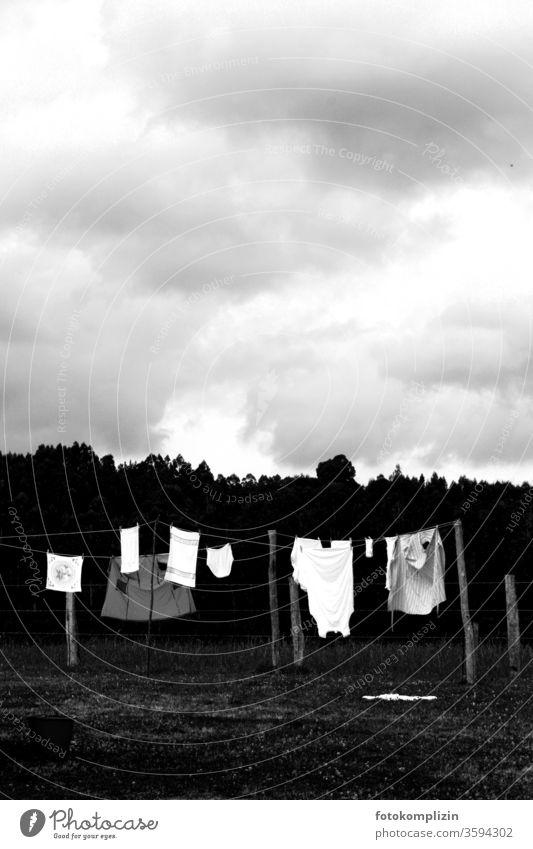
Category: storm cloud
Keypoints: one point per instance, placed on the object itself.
(263, 235)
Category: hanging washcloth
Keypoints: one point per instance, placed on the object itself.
(220, 560)
(129, 549)
(369, 547)
(63, 573)
(182, 557)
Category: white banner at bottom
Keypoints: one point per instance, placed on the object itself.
(258, 824)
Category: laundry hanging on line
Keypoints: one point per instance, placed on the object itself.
(301, 543)
(63, 573)
(416, 573)
(369, 547)
(220, 560)
(182, 557)
(327, 575)
(129, 549)
(341, 543)
(130, 597)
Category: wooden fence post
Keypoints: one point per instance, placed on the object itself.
(513, 625)
(71, 630)
(470, 643)
(298, 639)
(151, 611)
(273, 596)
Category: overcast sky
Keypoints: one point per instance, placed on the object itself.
(262, 236)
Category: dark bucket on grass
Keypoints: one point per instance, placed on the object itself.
(51, 735)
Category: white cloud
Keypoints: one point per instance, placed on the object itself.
(154, 150)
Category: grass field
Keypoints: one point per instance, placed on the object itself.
(214, 721)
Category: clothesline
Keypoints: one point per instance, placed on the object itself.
(203, 548)
(259, 539)
(116, 531)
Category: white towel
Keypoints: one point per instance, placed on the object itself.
(341, 543)
(369, 547)
(182, 557)
(328, 576)
(129, 549)
(63, 573)
(220, 560)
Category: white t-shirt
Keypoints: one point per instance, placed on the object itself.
(328, 575)
(301, 543)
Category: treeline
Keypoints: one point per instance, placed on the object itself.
(53, 498)
(66, 489)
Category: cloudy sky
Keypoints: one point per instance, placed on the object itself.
(264, 233)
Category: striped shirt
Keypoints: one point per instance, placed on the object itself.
(416, 573)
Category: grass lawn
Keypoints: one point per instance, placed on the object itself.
(214, 721)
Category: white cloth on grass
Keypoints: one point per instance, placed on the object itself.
(369, 547)
(416, 581)
(328, 577)
(63, 573)
(182, 557)
(220, 560)
(396, 697)
(300, 543)
(129, 549)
